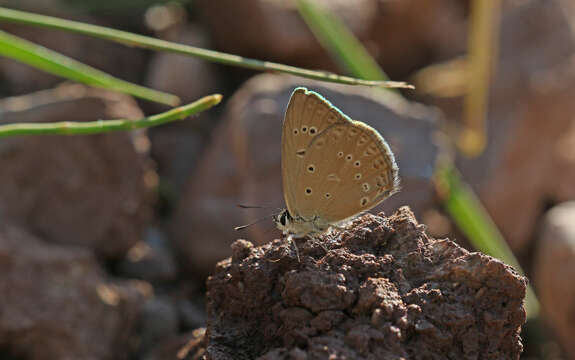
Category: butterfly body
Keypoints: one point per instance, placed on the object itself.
(333, 168)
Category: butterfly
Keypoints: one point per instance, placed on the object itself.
(333, 168)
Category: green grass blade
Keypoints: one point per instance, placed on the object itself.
(102, 126)
(162, 45)
(462, 204)
(55, 63)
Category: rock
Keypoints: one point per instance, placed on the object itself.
(158, 322)
(410, 34)
(151, 260)
(57, 304)
(379, 289)
(91, 190)
(528, 161)
(191, 312)
(555, 270)
(242, 164)
(188, 346)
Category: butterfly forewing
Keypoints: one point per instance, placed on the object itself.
(307, 116)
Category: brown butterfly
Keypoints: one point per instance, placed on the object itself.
(333, 168)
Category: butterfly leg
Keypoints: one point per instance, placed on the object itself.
(291, 240)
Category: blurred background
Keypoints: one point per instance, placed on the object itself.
(106, 240)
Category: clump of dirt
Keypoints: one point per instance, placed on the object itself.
(380, 289)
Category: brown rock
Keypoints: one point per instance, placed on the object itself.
(410, 34)
(242, 165)
(555, 271)
(84, 190)
(383, 290)
(57, 304)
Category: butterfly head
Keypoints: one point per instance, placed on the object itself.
(283, 220)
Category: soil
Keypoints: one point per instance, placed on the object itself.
(379, 289)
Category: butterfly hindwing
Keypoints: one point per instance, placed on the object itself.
(352, 172)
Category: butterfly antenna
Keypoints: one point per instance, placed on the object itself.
(244, 206)
(252, 223)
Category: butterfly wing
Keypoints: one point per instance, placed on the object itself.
(345, 168)
(307, 115)
(358, 172)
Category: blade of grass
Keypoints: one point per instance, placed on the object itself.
(130, 39)
(55, 63)
(462, 204)
(102, 126)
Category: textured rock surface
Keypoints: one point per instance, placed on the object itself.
(242, 164)
(83, 190)
(57, 304)
(381, 289)
(555, 271)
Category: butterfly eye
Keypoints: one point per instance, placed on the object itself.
(308, 191)
(295, 131)
(327, 195)
(349, 157)
(304, 129)
(357, 163)
(312, 130)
